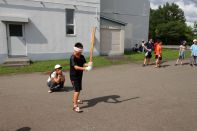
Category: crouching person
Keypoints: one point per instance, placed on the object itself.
(56, 79)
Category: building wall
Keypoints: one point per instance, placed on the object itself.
(3, 42)
(45, 33)
(135, 13)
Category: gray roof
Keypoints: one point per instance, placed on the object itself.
(113, 20)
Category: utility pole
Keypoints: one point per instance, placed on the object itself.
(195, 24)
(195, 28)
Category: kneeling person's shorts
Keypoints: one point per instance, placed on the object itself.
(55, 86)
(77, 85)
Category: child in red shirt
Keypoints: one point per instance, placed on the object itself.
(158, 53)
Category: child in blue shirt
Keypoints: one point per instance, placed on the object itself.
(193, 49)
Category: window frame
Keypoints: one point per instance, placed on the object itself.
(72, 25)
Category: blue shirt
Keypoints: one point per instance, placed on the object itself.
(194, 49)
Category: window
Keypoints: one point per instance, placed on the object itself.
(70, 23)
(16, 30)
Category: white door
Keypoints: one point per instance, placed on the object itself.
(16, 39)
(110, 41)
(116, 44)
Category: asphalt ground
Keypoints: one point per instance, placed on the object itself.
(116, 98)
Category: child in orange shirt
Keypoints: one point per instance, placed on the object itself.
(158, 53)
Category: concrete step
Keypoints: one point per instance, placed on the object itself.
(16, 62)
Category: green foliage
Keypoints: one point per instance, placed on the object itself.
(134, 56)
(168, 23)
(172, 31)
(169, 54)
(47, 66)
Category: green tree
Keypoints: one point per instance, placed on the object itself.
(168, 23)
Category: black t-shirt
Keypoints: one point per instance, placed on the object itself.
(148, 46)
(76, 74)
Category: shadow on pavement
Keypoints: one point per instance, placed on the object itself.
(65, 89)
(68, 88)
(185, 63)
(24, 129)
(164, 66)
(106, 99)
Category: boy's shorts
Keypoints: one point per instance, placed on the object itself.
(181, 57)
(156, 57)
(148, 55)
(77, 85)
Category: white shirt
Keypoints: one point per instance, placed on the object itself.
(182, 48)
(143, 44)
(53, 75)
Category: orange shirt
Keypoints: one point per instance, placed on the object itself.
(155, 44)
(158, 49)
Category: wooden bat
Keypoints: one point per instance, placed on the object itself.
(92, 43)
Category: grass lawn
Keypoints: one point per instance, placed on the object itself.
(47, 66)
(99, 61)
(167, 54)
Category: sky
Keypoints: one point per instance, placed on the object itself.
(188, 6)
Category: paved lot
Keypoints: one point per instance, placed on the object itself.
(117, 98)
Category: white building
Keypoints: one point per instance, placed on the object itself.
(48, 29)
(133, 12)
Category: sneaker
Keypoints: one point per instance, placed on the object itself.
(77, 109)
(50, 91)
(79, 101)
(143, 65)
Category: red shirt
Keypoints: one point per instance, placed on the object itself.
(158, 49)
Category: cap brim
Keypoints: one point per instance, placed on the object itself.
(59, 68)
